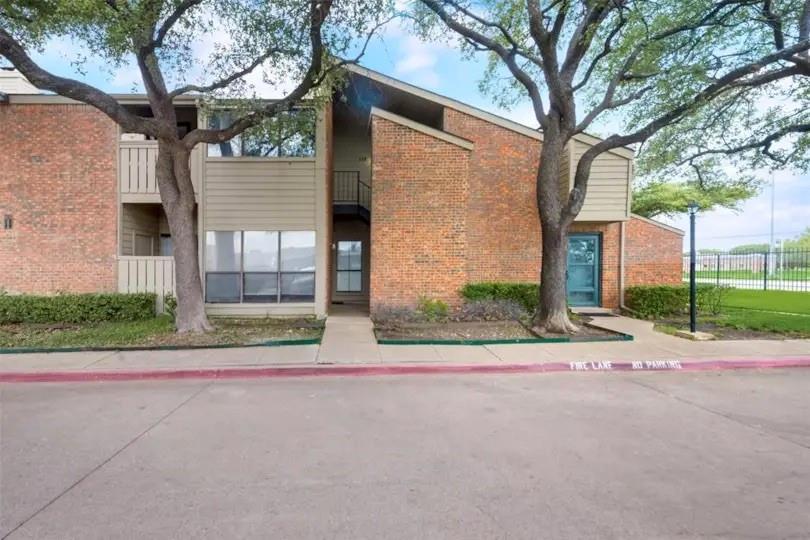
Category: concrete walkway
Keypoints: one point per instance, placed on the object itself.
(349, 339)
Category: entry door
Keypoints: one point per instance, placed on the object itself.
(349, 266)
(583, 269)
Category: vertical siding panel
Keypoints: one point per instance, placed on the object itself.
(123, 169)
(150, 275)
(151, 157)
(123, 276)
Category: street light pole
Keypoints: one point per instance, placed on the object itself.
(693, 208)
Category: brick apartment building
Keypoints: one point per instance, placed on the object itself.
(392, 193)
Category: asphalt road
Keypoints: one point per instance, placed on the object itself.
(596, 455)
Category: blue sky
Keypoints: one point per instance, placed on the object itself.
(439, 67)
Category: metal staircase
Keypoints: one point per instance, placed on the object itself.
(351, 196)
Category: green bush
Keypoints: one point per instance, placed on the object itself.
(170, 305)
(76, 308)
(525, 294)
(655, 301)
(433, 310)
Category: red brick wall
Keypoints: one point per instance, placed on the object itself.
(418, 226)
(431, 233)
(58, 181)
(652, 254)
(503, 228)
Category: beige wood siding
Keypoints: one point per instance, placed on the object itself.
(608, 187)
(147, 274)
(260, 194)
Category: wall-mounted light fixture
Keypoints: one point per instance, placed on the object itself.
(8, 222)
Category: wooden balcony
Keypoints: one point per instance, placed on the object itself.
(136, 170)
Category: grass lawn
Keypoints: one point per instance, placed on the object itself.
(155, 332)
(783, 301)
(736, 323)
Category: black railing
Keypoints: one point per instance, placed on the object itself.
(783, 270)
(349, 189)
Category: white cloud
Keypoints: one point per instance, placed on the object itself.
(418, 61)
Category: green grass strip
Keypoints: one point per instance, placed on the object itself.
(777, 301)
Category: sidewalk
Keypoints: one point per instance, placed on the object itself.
(348, 341)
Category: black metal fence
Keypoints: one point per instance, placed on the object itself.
(778, 270)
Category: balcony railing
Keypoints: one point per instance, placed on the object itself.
(349, 189)
(147, 274)
(136, 169)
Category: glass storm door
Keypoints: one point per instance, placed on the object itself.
(583, 270)
(349, 266)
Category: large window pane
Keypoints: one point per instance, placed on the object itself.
(298, 287)
(298, 251)
(261, 287)
(288, 134)
(350, 255)
(222, 287)
(223, 251)
(261, 251)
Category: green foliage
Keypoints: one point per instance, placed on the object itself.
(433, 310)
(170, 305)
(655, 301)
(76, 308)
(210, 41)
(660, 198)
(750, 248)
(525, 294)
(800, 242)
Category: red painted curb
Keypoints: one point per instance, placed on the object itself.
(378, 370)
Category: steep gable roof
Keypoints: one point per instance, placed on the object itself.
(517, 127)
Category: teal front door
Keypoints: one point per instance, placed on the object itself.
(583, 269)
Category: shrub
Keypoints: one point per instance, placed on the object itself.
(395, 314)
(524, 294)
(76, 308)
(432, 310)
(490, 310)
(655, 301)
(170, 305)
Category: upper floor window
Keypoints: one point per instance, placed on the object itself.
(288, 134)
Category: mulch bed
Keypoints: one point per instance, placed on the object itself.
(477, 330)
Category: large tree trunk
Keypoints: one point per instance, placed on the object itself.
(552, 314)
(177, 194)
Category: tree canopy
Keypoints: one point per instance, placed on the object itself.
(661, 198)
